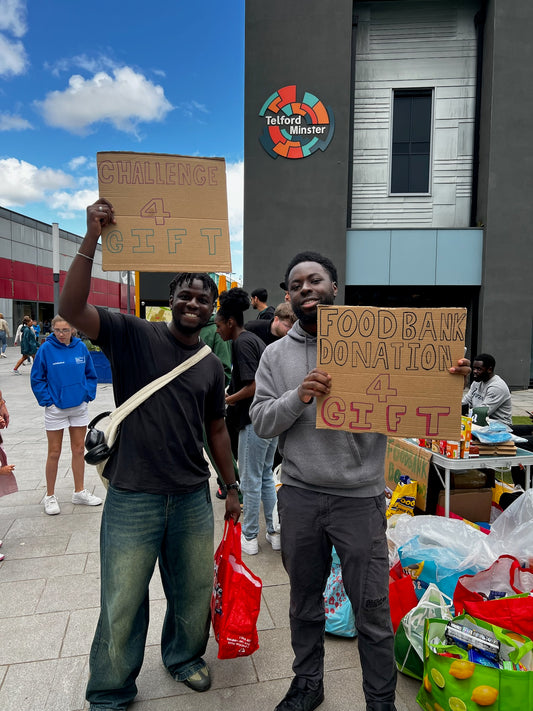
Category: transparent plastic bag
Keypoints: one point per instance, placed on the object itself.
(432, 604)
(512, 532)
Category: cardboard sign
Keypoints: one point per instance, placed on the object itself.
(389, 370)
(405, 458)
(171, 213)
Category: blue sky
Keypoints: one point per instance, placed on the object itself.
(153, 77)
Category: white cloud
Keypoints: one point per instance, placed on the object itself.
(192, 108)
(11, 122)
(124, 100)
(77, 162)
(13, 58)
(88, 181)
(22, 182)
(235, 189)
(69, 204)
(13, 17)
(92, 65)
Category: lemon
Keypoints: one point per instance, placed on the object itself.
(484, 695)
(427, 684)
(438, 678)
(462, 669)
(456, 704)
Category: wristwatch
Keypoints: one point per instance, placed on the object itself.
(235, 486)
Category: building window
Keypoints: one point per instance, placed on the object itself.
(411, 141)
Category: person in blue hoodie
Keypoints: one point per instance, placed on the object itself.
(63, 380)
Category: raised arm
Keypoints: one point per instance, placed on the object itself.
(73, 305)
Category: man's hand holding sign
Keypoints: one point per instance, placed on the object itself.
(388, 370)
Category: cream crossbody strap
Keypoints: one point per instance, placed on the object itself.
(141, 395)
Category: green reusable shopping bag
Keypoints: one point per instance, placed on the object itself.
(457, 684)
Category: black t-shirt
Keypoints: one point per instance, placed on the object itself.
(246, 353)
(160, 445)
(261, 328)
(267, 313)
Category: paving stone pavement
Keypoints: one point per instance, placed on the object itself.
(49, 596)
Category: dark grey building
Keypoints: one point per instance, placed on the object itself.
(396, 137)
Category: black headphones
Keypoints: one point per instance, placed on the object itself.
(95, 444)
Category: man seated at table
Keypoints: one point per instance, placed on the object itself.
(489, 390)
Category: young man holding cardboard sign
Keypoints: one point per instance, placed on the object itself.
(158, 506)
(332, 494)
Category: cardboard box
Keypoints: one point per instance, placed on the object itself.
(171, 213)
(405, 458)
(472, 504)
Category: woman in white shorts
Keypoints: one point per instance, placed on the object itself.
(63, 380)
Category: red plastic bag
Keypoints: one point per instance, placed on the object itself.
(236, 598)
(501, 595)
(402, 596)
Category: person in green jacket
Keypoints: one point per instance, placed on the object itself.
(222, 349)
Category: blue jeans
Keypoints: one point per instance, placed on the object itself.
(3, 341)
(137, 530)
(256, 457)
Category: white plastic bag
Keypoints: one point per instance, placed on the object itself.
(469, 545)
(277, 483)
(512, 532)
(432, 604)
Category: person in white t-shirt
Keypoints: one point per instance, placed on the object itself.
(489, 390)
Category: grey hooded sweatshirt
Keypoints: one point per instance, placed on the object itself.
(329, 461)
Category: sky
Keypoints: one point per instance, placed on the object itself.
(165, 76)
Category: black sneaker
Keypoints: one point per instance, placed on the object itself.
(200, 680)
(302, 696)
(221, 493)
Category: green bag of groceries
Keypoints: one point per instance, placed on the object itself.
(472, 665)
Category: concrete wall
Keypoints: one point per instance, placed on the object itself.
(26, 268)
(292, 205)
(505, 204)
(414, 45)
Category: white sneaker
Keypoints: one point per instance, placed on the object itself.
(86, 498)
(3, 355)
(51, 507)
(249, 546)
(275, 541)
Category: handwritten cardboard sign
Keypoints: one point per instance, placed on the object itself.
(403, 457)
(171, 212)
(389, 370)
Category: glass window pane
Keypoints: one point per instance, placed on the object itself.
(418, 174)
(400, 174)
(411, 137)
(402, 119)
(420, 118)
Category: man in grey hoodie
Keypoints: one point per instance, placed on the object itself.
(332, 495)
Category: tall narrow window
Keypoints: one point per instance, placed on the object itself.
(411, 141)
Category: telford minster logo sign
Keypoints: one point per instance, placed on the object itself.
(295, 128)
